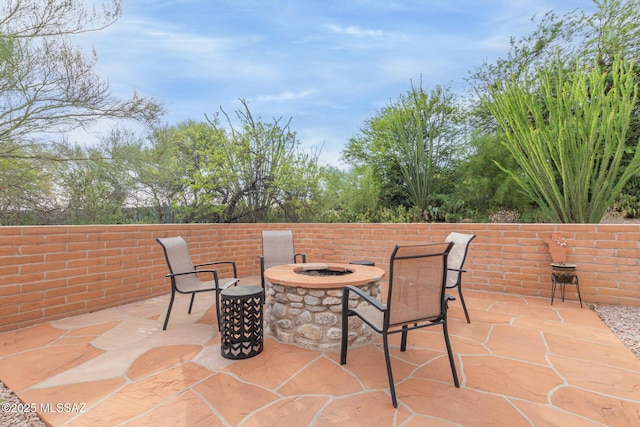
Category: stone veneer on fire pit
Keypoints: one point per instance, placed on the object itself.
(305, 309)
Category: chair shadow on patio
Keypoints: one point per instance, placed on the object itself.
(521, 362)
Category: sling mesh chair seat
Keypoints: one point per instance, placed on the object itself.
(455, 262)
(277, 249)
(184, 274)
(416, 298)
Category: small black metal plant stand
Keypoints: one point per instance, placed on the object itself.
(562, 275)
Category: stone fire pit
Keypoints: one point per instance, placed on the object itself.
(304, 303)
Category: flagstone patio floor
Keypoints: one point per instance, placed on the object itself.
(521, 362)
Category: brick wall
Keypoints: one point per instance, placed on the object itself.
(53, 272)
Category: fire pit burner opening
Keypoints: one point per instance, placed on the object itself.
(321, 270)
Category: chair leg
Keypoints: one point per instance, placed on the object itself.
(578, 289)
(343, 348)
(345, 327)
(403, 340)
(450, 352)
(464, 306)
(264, 288)
(387, 359)
(193, 296)
(166, 319)
(218, 317)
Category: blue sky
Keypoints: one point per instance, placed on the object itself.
(328, 64)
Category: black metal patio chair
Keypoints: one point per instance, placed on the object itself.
(455, 262)
(277, 249)
(184, 274)
(416, 299)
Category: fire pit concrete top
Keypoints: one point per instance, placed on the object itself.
(292, 275)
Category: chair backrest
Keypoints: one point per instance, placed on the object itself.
(457, 255)
(277, 247)
(178, 259)
(417, 276)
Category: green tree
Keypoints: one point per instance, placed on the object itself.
(349, 196)
(266, 169)
(566, 129)
(410, 146)
(46, 83)
(24, 185)
(587, 39)
(99, 186)
(48, 87)
(420, 136)
(482, 187)
(198, 171)
(254, 172)
(159, 176)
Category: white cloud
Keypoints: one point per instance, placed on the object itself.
(355, 31)
(284, 96)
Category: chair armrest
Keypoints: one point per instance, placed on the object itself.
(214, 272)
(232, 263)
(448, 298)
(182, 274)
(365, 296)
(214, 263)
(301, 255)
